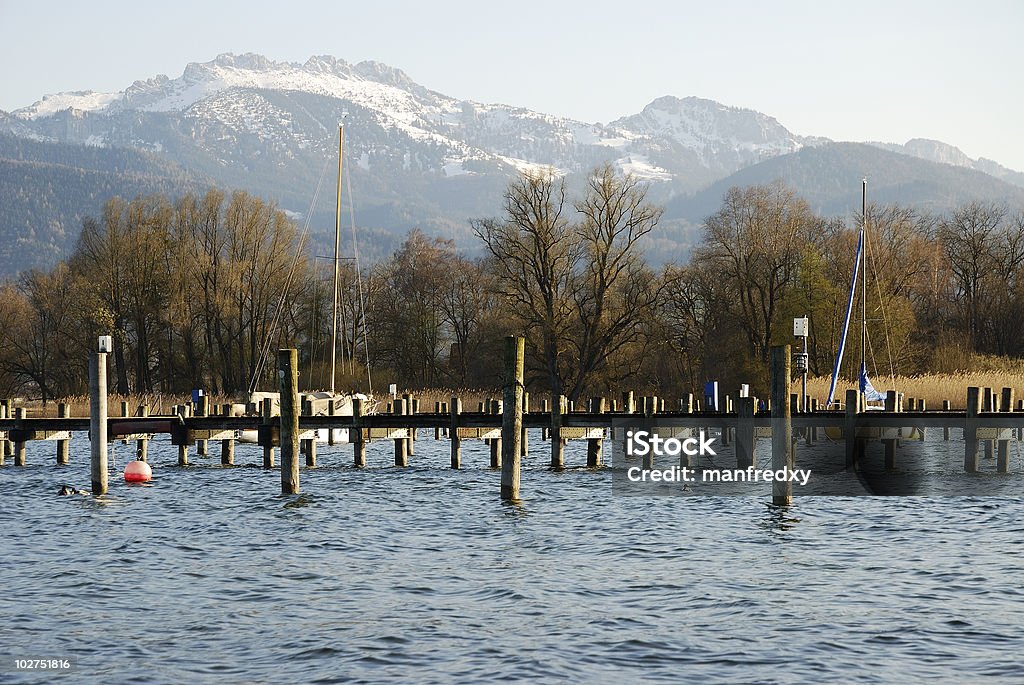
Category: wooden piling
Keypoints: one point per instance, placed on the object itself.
(453, 434)
(330, 412)
(268, 415)
(782, 424)
(946, 406)
(288, 373)
(401, 444)
(628, 403)
(5, 445)
(227, 445)
(412, 407)
(1003, 455)
(745, 433)
(183, 447)
(494, 407)
(512, 417)
(63, 446)
(355, 434)
(889, 443)
(202, 409)
(850, 429)
(309, 444)
(19, 445)
(594, 445)
(524, 438)
(142, 444)
(971, 462)
(98, 421)
(557, 443)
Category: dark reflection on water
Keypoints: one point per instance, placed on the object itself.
(424, 575)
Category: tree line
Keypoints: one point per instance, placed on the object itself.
(202, 291)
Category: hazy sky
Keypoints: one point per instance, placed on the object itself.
(846, 70)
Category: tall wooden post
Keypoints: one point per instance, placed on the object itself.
(412, 407)
(401, 444)
(309, 444)
(453, 434)
(494, 407)
(19, 445)
(971, 461)
(183, 447)
(512, 417)
(202, 409)
(355, 434)
(890, 443)
(594, 445)
(524, 439)
(1003, 456)
(745, 433)
(268, 450)
(946, 406)
(850, 430)
(63, 446)
(98, 421)
(557, 444)
(288, 372)
(782, 425)
(142, 445)
(5, 413)
(227, 446)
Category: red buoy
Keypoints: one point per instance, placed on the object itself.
(137, 472)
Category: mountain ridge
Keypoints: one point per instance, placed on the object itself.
(415, 158)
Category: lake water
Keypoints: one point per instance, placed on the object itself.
(384, 575)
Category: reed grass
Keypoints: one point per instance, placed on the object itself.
(932, 388)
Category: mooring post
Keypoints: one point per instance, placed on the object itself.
(63, 446)
(850, 430)
(890, 443)
(268, 416)
(495, 407)
(330, 412)
(782, 425)
(512, 417)
(288, 373)
(98, 417)
(227, 445)
(1003, 458)
(971, 461)
(401, 444)
(453, 433)
(988, 405)
(142, 445)
(5, 445)
(946, 406)
(355, 434)
(437, 428)
(19, 445)
(202, 409)
(545, 432)
(524, 437)
(182, 411)
(745, 433)
(309, 443)
(594, 445)
(557, 444)
(412, 407)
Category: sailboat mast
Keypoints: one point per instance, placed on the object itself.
(337, 245)
(864, 281)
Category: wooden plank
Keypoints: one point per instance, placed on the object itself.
(995, 434)
(479, 433)
(582, 433)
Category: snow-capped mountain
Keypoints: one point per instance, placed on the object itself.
(415, 157)
(247, 103)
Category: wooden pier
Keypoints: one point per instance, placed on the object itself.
(989, 424)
